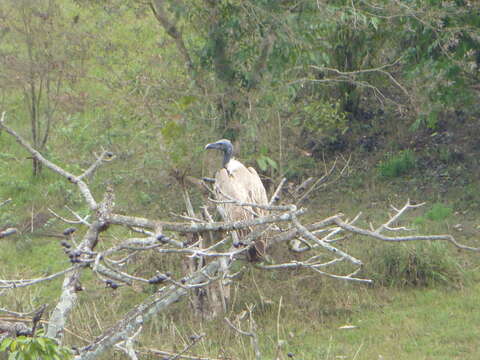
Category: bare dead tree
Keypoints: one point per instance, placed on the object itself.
(317, 240)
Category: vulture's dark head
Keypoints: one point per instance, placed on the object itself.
(222, 145)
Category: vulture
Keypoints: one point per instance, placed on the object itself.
(234, 181)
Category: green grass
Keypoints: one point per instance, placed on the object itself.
(397, 165)
(439, 212)
(420, 324)
(395, 324)
(415, 264)
(28, 258)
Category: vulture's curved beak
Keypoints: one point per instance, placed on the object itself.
(211, 146)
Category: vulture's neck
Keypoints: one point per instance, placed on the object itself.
(227, 156)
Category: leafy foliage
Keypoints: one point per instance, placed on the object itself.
(441, 55)
(320, 120)
(34, 348)
(265, 162)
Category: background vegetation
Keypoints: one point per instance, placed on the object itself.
(294, 84)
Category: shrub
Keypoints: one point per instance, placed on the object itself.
(419, 264)
(438, 212)
(397, 165)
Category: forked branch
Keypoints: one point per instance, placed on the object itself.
(313, 243)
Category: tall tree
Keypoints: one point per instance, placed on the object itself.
(40, 59)
(230, 40)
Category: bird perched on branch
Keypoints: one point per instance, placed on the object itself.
(234, 181)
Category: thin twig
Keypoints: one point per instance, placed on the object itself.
(274, 197)
(12, 284)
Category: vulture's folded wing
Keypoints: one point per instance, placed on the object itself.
(257, 190)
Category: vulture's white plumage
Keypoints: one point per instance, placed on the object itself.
(235, 181)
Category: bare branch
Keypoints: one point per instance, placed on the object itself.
(194, 228)
(12, 284)
(83, 220)
(18, 314)
(104, 156)
(275, 197)
(304, 231)
(378, 236)
(5, 202)
(194, 340)
(8, 232)
(315, 267)
(114, 274)
(379, 69)
(252, 333)
(72, 222)
(324, 178)
(129, 350)
(310, 263)
(395, 218)
(157, 7)
(293, 233)
(168, 355)
(188, 218)
(143, 312)
(85, 191)
(259, 206)
(13, 329)
(71, 284)
(240, 331)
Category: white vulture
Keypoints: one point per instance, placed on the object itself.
(234, 181)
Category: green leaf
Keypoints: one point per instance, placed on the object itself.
(13, 346)
(5, 344)
(272, 162)
(262, 163)
(42, 343)
(23, 340)
(21, 355)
